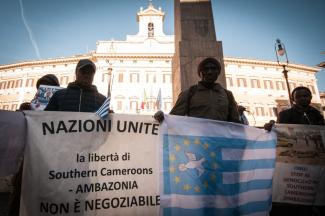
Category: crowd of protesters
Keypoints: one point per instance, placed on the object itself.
(206, 99)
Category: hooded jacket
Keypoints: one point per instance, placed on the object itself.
(76, 98)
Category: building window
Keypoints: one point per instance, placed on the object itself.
(6, 107)
(18, 83)
(119, 105)
(10, 84)
(280, 85)
(272, 111)
(151, 78)
(167, 78)
(135, 61)
(241, 82)
(134, 105)
(64, 80)
(229, 81)
(292, 85)
(268, 84)
(259, 111)
(134, 78)
(29, 82)
(14, 107)
(3, 85)
(120, 77)
(150, 29)
(255, 83)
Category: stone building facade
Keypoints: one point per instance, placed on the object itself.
(135, 70)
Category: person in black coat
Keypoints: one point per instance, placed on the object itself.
(80, 95)
(301, 112)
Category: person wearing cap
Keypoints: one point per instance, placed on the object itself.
(80, 95)
(242, 117)
(207, 99)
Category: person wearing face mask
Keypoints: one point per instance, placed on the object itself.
(80, 95)
(207, 99)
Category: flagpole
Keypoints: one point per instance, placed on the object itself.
(110, 82)
(159, 100)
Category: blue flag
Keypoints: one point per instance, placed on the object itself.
(215, 168)
(103, 111)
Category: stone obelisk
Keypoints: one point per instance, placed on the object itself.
(195, 39)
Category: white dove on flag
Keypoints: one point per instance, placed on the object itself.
(193, 163)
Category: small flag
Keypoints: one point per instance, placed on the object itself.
(159, 100)
(102, 112)
(144, 99)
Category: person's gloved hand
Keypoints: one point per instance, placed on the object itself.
(159, 116)
(268, 126)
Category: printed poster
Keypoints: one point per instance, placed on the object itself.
(300, 167)
(43, 96)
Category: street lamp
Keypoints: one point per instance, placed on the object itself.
(281, 54)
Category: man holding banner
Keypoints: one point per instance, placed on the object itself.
(287, 200)
(81, 95)
(207, 99)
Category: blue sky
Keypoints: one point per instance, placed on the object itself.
(248, 28)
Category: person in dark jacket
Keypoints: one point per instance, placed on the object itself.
(300, 113)
(207, 99)
(14, 200)
(81, 95)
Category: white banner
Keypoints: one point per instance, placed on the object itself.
(78, 164)
(81, 165)
(300, 168)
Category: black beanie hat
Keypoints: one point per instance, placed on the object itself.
(48, 79)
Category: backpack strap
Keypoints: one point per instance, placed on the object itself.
(191, 92)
